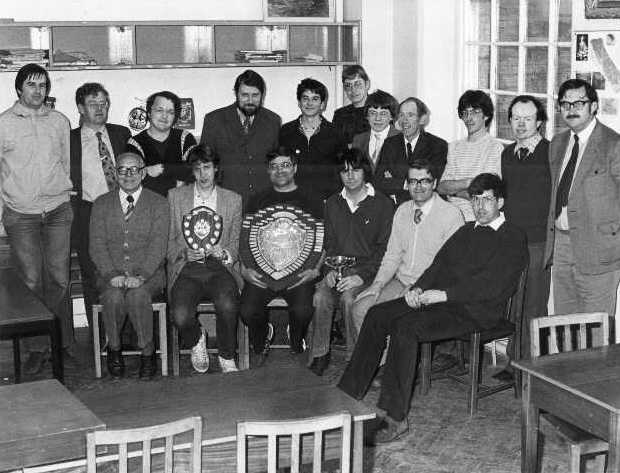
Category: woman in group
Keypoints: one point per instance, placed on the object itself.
(163, 147)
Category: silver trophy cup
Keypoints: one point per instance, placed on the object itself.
(339, 264)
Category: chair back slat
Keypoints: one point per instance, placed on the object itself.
(272, 453)
(168, 454)
(553, 341)
(596, 322)
(146, 456)
(582, 337)
(122, 458)
(568, 344)
(295, 451)
(318, 448)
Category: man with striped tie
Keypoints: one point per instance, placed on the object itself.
(128, 238)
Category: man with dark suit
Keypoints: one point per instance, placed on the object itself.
(464, 289)
(95, 144)
(194, 275)
(128, 235)
(399, 151)
(242, 134)
(583, 241)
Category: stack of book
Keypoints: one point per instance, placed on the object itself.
(261, 56)
(14, 59)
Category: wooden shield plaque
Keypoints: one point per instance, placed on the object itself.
(279, 242)
(202, 228)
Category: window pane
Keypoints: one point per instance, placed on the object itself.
(481, 20)
(564, 21)
(563, 70)
(536, 70)
(501, 116)
(509, 20)
(538, 20)
(507, 62)
(174, 44)
(484, 66)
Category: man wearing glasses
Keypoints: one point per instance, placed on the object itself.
(95, 144)
(350, 120)
(464, 289)
(583, 240)
(478, 153)
(128, 237)
(281, 168)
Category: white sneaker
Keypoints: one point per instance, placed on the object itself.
(200, 355)
(228, 366)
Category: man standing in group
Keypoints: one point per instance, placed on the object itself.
(525, 169)
(242, 134)
(583, 242)
(35, 185)
(400, 151)
(350, 120)
(128, 236)
(95, 144)
(476, 154)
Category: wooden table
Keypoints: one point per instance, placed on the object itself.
(268, 393)
(581, 387)
(22, 314)
(40, 423)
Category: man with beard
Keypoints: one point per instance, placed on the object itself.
(242, 134)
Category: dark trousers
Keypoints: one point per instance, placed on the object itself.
(407, 328)
(212, 281)
(254, 314)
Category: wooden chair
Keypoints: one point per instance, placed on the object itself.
(568, 333)
(207, 318)
(159, 308)
(509, 327)
(146, 435)
(295, 429)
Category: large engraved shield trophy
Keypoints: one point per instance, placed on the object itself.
(279, 242)
(202, 228)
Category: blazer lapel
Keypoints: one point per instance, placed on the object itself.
(589, 156)
(558, 157)
(420, 147)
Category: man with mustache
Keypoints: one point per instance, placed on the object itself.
(242, 134)
(583, 225)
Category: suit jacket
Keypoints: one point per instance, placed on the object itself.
(136, 247)
(593, 202)
(242, 157)
(361, 141)
(181, 201)
(393, 164)
(118, 137)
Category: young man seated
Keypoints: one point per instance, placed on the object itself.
(464, 289)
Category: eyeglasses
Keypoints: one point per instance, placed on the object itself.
(577, 105)
(357, 85)
(482, 199)
(129, 170)
(470, 112)
(525, 119)
(425, 181)
(383, 114)
(97, 105)
(280, 166)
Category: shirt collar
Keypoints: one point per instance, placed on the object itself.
(22, 110)
(242, 116)
(495, 224)
(426, 206)
(136, 195)
(382, 135)
(584, 135)
(528, 143)
(301, 128)
(370, 192)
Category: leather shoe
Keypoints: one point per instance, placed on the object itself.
(147, 366)
(392, 430)
(319, 364)
(116, 365)
(36, 360)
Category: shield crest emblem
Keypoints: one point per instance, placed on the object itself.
(202, 228)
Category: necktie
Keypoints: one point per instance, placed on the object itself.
(106, 163)
(523, 153)
(246, 124)
(409, 152)
(417, 216)
(566, 180)
(130, 207)
(375, 152)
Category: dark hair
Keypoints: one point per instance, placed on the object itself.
(176, 102)
(541, 113)
(421, 106)
(485, 182)
(351, 72)
(251, 79)
(31, 70)
(477, 99)
(87, 89)
(381, 99)
(571, 84)
(313, 86)
(356, 159)
(202, 153)
(424, 164)
(282, 151)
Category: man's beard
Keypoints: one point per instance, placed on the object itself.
(249, 109)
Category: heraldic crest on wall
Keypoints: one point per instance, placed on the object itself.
(280, 241)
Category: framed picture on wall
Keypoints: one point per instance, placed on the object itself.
(299, 10)
(602, 8)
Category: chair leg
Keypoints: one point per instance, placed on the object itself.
(460, 354)
(243, 345)
(474, 373)
(575, 458)
(17, 361)
(96, 341)
(163, 338)
(174, 334)
(425, 368)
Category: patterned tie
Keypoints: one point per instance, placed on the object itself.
(106, 163)
(523, 153)
(417, 216)
(409, 152)
(130, 207)
(567, 179)
(246, 124)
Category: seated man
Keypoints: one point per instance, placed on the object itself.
(420, 228)
(464, 289)
(357, 223)
(194, 275)
(281, 167)
(128, 234)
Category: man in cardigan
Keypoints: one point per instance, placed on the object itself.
(464, 289)
(128, 235)
(242, 134)
(95, 144)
